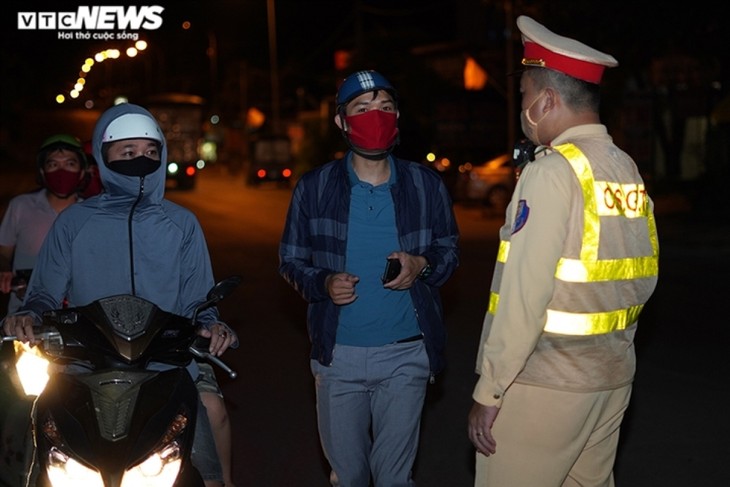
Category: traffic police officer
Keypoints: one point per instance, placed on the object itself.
(578, 259)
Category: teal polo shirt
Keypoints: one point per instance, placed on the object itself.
(378, 316)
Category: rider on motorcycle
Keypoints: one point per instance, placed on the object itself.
(130, 240)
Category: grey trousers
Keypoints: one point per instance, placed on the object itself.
(369, 404)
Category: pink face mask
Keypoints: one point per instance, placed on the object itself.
(372, 130)
(61, 182)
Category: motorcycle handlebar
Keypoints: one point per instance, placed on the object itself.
(44, 336)
(53, 336)
(212, 358)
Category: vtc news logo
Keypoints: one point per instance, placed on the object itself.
(94, 18)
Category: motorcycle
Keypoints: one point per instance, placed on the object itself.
(106, 419)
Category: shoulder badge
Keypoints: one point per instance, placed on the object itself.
(523, 211)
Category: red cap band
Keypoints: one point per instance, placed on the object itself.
(537, 55)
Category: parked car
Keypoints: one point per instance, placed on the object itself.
(490, 183)
(446, 167)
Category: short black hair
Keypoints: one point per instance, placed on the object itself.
(579, 95)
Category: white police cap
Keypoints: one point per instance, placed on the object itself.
(546, 49)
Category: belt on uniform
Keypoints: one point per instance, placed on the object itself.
(414, 338)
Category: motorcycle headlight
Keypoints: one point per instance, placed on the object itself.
(160, 469)
(64, 471)
(31, 367)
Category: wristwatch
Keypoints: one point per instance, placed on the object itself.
(426, 271)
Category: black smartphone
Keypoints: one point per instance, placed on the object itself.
(392, 269)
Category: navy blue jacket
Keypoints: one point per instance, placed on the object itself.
(315, 239)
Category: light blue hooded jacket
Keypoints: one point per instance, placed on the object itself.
(127, 240)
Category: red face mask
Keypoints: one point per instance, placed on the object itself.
(61, 182)
(94, 186)
(372, 130)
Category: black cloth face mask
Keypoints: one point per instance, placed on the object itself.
(139, 166)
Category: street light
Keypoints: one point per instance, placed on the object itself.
(101, 56)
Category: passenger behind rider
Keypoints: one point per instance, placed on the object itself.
(131, 240)
(61, 168)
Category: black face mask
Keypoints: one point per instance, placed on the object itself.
(139, 166)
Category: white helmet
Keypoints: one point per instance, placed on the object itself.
(132, 126)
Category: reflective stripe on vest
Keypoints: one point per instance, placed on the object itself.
(629, 201)
(611, 203)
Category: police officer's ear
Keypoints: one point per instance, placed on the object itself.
(551, 99)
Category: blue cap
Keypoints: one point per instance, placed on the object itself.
(361, 82)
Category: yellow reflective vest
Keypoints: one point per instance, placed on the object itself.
(602, 200)
(584, 228)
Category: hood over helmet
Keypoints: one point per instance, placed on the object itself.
(129, 121)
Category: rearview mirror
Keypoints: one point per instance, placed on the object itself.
(223, 288)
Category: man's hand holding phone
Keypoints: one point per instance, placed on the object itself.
(392, 269)
(402, 271)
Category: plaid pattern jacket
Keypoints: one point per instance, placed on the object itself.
(314, 242)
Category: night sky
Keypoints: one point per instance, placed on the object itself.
(37, 64)
(308, 32)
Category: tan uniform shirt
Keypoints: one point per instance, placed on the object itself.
(544, 222)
